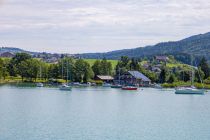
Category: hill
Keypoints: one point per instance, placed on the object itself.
(11, 49)
(198, 45)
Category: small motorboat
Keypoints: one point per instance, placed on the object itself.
(65, 87)
(106, 85)
(189, 90)
(129, 88)
(116, 86)
(39, 84)
(158, 86)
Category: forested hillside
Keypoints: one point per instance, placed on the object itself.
(198, 45)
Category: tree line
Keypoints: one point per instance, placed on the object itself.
(78, 70)
(30, 69)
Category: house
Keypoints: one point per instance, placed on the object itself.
(156, 69)
(161, 58)
(134, 78)
(7, 54)
(104, 78)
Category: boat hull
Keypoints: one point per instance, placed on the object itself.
(65, 89)
(189, 91)
(116, 86)
(40, 85)
(129, 88)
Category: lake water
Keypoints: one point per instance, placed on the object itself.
(102, 114)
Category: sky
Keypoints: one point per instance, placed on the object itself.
(81, 26)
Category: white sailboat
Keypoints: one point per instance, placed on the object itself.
(66, 87)
(190, 89)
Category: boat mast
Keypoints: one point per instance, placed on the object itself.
(40, 74)
(119, 75)
(62, 67)
(67, 72)
(192, 72)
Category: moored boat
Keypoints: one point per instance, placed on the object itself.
(129, 88)
(189, 90)
(116, 86)
(39, 84)
(65, 87)
(106, 85)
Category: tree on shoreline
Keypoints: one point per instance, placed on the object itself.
(205, 67)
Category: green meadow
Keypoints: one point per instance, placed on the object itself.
(91, 62)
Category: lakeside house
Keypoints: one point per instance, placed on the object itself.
(104, 78)
(134, 78)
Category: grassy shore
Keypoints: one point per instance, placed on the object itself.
(176, 84)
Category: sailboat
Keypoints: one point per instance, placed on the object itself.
(117, 85)
(66, 87)
(40, 84)
(190, 89)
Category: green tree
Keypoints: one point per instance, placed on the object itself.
(97, 67)
(1, 68)
(83, 71)
(13, 67)
(102, 67)
(64, 65)
(122, 65)
(43, 70)
(53, 71)
(106, 67)
(205, 67)
(134, 65)
(171, 78)
(199, 75)
(162, 76)
(185, 75)
(29, 69)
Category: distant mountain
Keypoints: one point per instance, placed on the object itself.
(198, 45)
(11, 49)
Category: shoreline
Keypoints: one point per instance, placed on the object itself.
(47, 84)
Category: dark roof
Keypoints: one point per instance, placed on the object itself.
(139, 75)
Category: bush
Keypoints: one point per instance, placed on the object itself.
(207, 81)
(98, 82)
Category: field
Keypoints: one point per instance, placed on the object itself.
(91, 62)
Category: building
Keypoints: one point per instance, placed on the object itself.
(104, 78)
(7, 54)
(134, 78)
(161, 58)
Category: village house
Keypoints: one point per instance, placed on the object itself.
(104, 78)
(7, 54)
(134, 78)
(161, 58)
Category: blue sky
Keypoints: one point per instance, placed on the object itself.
(78, 26)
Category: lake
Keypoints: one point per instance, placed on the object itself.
(102, 114)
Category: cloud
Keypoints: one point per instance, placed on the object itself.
(107, 22)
